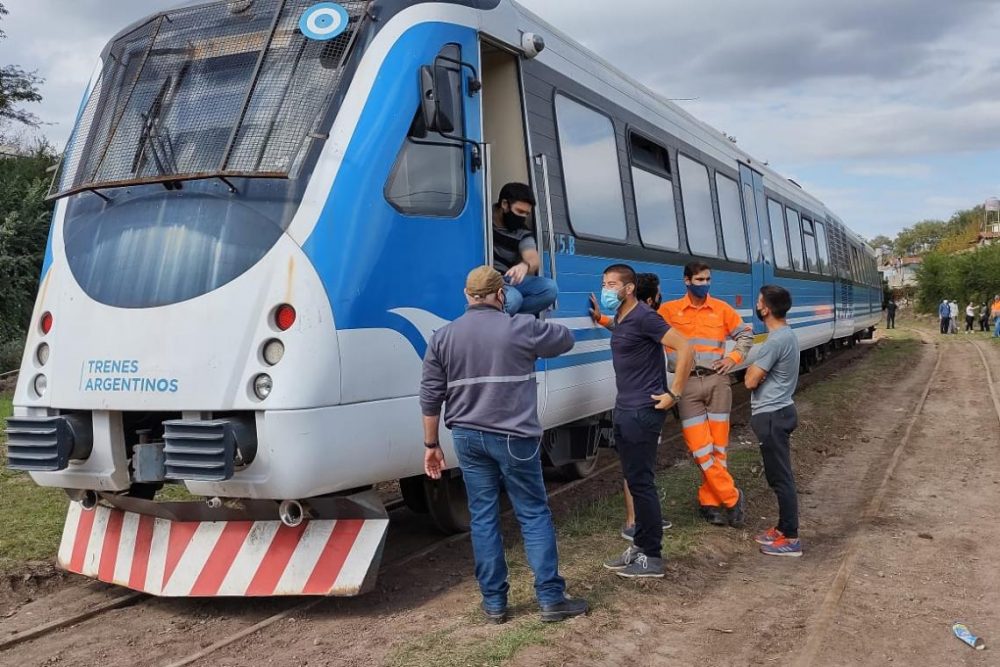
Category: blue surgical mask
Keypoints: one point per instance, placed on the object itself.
(610, 300)
(699, 291)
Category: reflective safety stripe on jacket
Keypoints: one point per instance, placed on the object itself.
(708, 327)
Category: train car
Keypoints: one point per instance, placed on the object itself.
(265, 210)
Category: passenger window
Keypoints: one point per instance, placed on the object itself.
(824, 251)
(809, 236)
(795, 239)
(779, 236)
(654, 195)
(696, 196)
(734, 232)
(590, 171)
(428, 178)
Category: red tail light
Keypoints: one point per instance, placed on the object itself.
(284, 317)
(46, 323)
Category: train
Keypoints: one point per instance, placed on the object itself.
(265, 210)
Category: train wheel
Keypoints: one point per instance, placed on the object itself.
(447, 503)
(414, 495)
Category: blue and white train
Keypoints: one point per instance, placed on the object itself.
(265, 210)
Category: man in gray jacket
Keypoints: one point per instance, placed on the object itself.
(482, 368)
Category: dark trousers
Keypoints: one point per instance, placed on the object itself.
(945, 324)
(969, 321)
(890, 320)
(984, 324)
(637, 436)
(774, 430)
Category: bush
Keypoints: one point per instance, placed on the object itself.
(965, 277)
(10, 355)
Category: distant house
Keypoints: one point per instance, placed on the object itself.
(901, 271)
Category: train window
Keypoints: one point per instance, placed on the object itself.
(795, 239)
(734, 232)
(824, 250)
(809, 236)
(590, 168)
(696, 198)
(428, 178)
(654, 204)
(778, 235)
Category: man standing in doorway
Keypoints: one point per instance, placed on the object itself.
(637, 340)
(515, 253)
(708, 323)
(482, 368)
(772, 378)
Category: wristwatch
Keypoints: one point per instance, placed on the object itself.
(674, 396)
(432, 445)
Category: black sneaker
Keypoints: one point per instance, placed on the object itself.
(737, 513)
(628, 532)
(713, 515)
(494, 616)
(622, 561)
(642, 567)
(560, 611)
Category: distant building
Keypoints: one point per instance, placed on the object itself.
(901, 272)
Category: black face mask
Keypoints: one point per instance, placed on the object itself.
(760, 314)
(512, 220)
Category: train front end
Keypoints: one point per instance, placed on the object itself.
(183, 342)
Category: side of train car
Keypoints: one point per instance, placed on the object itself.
(256, 333)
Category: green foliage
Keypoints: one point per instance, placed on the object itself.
(17, 86)
(972, 276)
(24, 227)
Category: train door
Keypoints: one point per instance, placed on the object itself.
(755, 210)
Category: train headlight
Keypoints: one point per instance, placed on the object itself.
(274, 351)
(42, 354)
(284, 317)
(41, 384)
(46, 323)
(262, 385)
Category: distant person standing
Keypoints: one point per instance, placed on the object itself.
(772, 377)
(970, 317)
(890, 314)
(944, 316)
(995, 314)
(984, 317)
(953, 317)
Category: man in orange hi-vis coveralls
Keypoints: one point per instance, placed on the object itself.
(708, 398)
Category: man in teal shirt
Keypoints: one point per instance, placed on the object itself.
(772, 377)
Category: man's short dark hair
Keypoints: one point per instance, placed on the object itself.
(694, 268)
(777, 299)
(646, 286)
(624, 271)
(515, 192)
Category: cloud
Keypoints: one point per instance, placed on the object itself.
(912, 170)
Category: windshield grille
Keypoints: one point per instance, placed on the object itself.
(224, 89)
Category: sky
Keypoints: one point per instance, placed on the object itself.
(886, 110)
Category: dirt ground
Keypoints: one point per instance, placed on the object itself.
(922, 562)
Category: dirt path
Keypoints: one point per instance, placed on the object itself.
(926, 560)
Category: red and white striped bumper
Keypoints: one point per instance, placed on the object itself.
(168, 558)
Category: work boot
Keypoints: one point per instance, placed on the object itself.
(643, 567)
(737, 513)
(713, 515)
(494, 616)
(568, 608)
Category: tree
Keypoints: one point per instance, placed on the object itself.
(881, 241)
(17, 86)
(921, 238)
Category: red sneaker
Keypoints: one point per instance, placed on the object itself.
(769, 536)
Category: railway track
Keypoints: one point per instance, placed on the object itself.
(80, 622)
(823, 619)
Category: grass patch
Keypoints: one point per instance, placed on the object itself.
(32, 515)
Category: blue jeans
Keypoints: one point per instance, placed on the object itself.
(996, 330)
(532, 296)
(486, 460)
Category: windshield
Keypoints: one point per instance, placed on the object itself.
(224, 89)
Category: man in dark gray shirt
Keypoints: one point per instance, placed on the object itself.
(482, 368)
(772, 377)
(515, 253)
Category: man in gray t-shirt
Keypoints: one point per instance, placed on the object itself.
(772, 377)
(515, 253)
